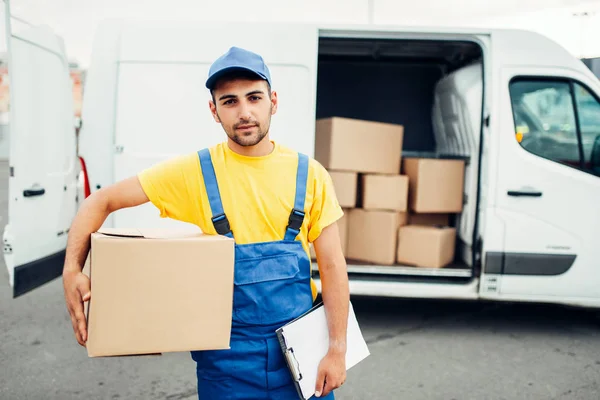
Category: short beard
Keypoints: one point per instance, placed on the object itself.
(246, 141)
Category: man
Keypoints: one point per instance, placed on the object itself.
(273, 202)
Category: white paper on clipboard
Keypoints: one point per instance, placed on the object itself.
(305, 341)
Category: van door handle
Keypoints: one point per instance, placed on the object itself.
(518, 193)
(33, 192)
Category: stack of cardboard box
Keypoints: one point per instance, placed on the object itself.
(396, 210)
(435, 192)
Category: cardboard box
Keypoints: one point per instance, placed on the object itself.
(345, 184)
(372, 235)
(429, 219)
(425, 246)
(435, 185)
(343, 227)
(355, 145)
(384, 192)
(156, 291)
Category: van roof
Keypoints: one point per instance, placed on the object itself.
(139, 41)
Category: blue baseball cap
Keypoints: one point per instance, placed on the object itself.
(237, 59)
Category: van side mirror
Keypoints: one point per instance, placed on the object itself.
(595, 161)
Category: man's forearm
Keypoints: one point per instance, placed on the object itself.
(336, 298)
(92, 214)
(89, 219)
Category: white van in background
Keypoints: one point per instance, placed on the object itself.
(522, 111)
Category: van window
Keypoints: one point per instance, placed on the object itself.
(554, 117)
(545, 120)
(588, 108)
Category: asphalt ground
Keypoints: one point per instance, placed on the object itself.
(420, 349)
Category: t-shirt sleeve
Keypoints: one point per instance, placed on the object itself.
(325, 208)
(167, 185)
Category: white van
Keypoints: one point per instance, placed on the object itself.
(522, 111)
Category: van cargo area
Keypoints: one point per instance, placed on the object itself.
(433, 89)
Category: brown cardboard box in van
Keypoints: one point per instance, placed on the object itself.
(429, 219)
(372, 235)
(435, 185)
(345, 184)
(384, 192)
(156, 291)
(343, 227)
(425, 246)
(355, 145)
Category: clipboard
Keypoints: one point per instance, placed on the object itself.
(304, 342)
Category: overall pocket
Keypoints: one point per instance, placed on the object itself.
(268, 290)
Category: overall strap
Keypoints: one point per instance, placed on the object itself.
(219, 219)
(297, 214)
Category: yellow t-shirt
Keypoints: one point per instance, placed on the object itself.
(257, 194)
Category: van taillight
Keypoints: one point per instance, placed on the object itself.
(86, 182)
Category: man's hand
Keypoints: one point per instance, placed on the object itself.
(331, 374)
(77, 290)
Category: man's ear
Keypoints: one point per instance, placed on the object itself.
(274, 102)
(213, 111)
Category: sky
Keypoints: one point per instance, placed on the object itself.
(76, 20)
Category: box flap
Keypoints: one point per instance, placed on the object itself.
(434, 155)
(150, 233)
(157, 233)
(426, 228)
(121, 232)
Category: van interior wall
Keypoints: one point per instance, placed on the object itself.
(393, 92)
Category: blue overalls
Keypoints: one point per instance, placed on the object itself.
(271, 287)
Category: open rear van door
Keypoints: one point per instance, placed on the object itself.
(42, 162)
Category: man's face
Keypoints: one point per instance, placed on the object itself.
(244, 108)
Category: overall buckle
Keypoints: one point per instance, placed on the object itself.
(221, 224)
(296, 219)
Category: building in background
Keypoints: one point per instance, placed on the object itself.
(593, 64)
(77, 79)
